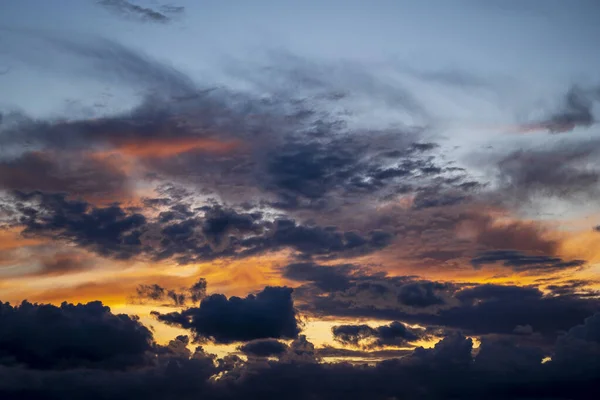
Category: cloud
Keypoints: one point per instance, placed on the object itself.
(478, 309)
(520, 262)
(268, 314)
(394, 334)
(100, 59)
(157, 293)
(264, 348)
(43, 336)
(579, 348)
(128, 9)
(500, 369)
(327, 278)
(75, 174)
(421, 294)
(109, 231)
(566, 171)
(576, 111)
(186, 236)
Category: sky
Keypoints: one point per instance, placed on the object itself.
(303, 200)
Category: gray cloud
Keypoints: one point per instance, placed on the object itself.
(575, 111)
(520, 262)
(567, 171)
(75, 174)
(97, 58)
(130, 10)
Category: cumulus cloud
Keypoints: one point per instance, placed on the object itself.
(268, 314)
(43, 336)
(88, 369)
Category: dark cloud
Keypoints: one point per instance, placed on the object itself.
(326, 278)
(128, 9)
(394, 334)
(579, 348)
(421, 294)
(499, 309)
(109, 231)
(304, 172)
(575, 111)
(206, 233)
(314, 240)
(152, 292)
(73, 174)
(289, 151)
(268, 314)
(520, 262)
(499, 369)
(360, 355)
(264, 348)
(43, 336)
(475, 309)
(220, 223)
(566, 171)
(157, 293)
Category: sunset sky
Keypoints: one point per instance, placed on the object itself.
(299, 199)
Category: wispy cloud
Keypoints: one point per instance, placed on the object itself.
(131, 10)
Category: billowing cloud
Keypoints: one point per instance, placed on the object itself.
(93, 368)
(43, 336)
(268, 314)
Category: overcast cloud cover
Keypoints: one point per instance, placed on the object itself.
(313, 200)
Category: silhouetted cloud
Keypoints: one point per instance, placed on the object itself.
(157, 293)
(500, 369)
(474, 309)
(268, 314)
(421, 294)
(43, 336)
(264, 348)
(394, 334)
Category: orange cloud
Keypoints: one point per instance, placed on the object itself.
(162, 148)
(11, 239)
